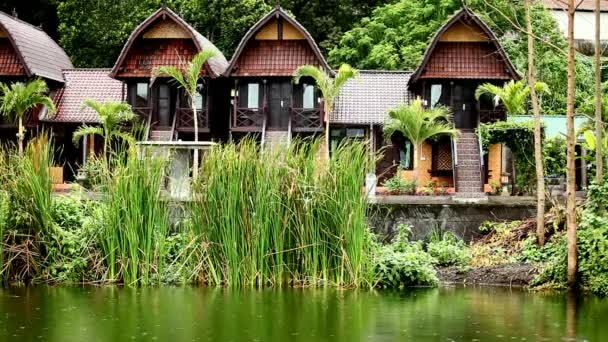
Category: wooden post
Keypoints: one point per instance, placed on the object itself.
(571, 154)
(599, 127)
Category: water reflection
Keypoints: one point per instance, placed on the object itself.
(199, 314)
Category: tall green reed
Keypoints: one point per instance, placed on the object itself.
(135, 219)
(272, 217)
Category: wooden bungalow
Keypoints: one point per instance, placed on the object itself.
(26, 53)
(265, 99)
(165, 39)
(463, 54)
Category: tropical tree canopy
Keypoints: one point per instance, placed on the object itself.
(419, 124)
(188, 77)
(19, 98)
(328, 86)
(396, 35)
(111, 116)
(515, 96)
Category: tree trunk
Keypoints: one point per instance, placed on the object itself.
(195, 161)
(538, 154)
(570, 165)
(327, 137)
(417, 156)
(20, 136)
(599, 129)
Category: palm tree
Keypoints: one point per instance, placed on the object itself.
(19, 98)
(188, 78)
(328, 86)
(419, 124)
(111, 115)
(513, 95)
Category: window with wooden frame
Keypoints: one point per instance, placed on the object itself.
(339, 135)
(138, 95)
(251, 95)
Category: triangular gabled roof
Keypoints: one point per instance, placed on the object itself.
(465, 14)
(40, 55)
(215, 66)
(276, 13)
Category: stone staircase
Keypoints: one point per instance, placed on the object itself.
(274, 139)
(160, 135)
(468, 179)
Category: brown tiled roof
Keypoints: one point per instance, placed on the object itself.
(144, 56)
(215, 66)
(40, 55)
(281, 55)
(274, 58)
(10, 65)
(465, 60)
(466, 15)
(581, 5)
(82, 84)
(368, 98)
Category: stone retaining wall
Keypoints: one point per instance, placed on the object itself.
(463, 219)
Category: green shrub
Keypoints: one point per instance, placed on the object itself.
(409, 267)
(72, 250)
(398, 185)
(449, 250)
(402, 263)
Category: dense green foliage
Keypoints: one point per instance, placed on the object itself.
(554, 156)
(448, 250)
(402, 263)
(519, 138)
(396, 36)
(94, 32)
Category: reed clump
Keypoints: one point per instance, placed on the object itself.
(282, 216)
(134, 219)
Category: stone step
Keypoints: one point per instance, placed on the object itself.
(469, 183)
(275, 139)
(469, 174)
(468, 162)
(160, 136)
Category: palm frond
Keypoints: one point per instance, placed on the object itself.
(542, 87)
(173, 72)
(419, 124)
(345, 73)
(83, 131)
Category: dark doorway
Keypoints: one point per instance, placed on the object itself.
(464, 106)
(279, 104)
(163, 107)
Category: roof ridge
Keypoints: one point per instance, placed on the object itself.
(22, 21)
(86, 69)
(386, 71)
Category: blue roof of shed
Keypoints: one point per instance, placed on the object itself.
(554, 125)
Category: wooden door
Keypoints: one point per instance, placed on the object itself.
(464, 106)
(279, 99)
(164, 106)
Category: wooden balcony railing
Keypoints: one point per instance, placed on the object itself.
(306, 120)
(185, 119)
(251, 119)
(144, 112)
(492, 115)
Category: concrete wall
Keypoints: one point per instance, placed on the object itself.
(461, 219)
(584, 24)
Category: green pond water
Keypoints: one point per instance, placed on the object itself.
(199, 314)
